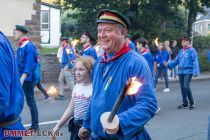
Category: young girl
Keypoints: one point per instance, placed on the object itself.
(161, 61)
(80, 97)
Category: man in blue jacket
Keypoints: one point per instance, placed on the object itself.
(110, 73)
(67, 67)
(188, 66)
(27, 63)
(11, 93)
(130, 43)
(141, 46)
(88, 50)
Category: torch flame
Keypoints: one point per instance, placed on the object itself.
(52, 91)
(134, 86)
(74, 42)
(156, 41)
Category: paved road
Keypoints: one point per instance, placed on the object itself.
(169, 124)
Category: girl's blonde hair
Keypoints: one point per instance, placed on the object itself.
(87, 61)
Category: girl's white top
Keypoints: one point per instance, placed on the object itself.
(81, 96)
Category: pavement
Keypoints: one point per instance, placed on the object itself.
(169, 123)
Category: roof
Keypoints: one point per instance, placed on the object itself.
(50, 5)
(204, 17)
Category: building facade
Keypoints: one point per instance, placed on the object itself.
(202, 24)
(50, 25)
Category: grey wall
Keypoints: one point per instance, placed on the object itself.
(50, 68)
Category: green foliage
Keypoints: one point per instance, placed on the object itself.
(204, 64)
(69, 22)
(201, 42)
(165, 19)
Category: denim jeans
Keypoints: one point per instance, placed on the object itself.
(41, 88)
(174, 72)
(28, 88)
(184, 80)
(165, 75)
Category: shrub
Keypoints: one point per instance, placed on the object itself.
(204, 64)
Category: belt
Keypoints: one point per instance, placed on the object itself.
(7, 123)
(78, 122)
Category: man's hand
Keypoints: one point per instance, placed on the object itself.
(84, 133)
(22, 79)
(165, 64)
(112, 131)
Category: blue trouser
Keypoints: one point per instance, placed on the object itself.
(184, 80)
(28, 88)
(209, 129)
(165, 75)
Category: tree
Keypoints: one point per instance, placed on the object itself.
(194, 6)
(149, 18)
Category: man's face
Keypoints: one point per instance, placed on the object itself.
(138, 45)
(185, 43)
(110, 37)
(83, 39)
(18, 34)
(63, 43)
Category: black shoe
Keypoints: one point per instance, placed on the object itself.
(59, 97)
(34, 129)
(182, 106)
(192, 107)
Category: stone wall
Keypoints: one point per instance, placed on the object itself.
(50, 68)
(34, 24)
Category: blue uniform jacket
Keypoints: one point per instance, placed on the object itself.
(149, 57)
(187, 61)
(132, 46)
(65, 57)
(90, 52)
(27, 61)
(11, 93)
(135, 110)
(161, 57)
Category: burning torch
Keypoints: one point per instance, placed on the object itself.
(157, 44)
(110, 120)
(52, 91)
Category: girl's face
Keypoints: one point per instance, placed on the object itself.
(82, 74)
(160, 46)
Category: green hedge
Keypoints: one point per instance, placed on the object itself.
(201, 42)
(48, 50)
(204, 64)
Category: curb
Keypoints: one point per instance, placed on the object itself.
(193, 79)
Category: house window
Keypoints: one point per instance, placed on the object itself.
(45, 24)
(201, 27)
(195, 27)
